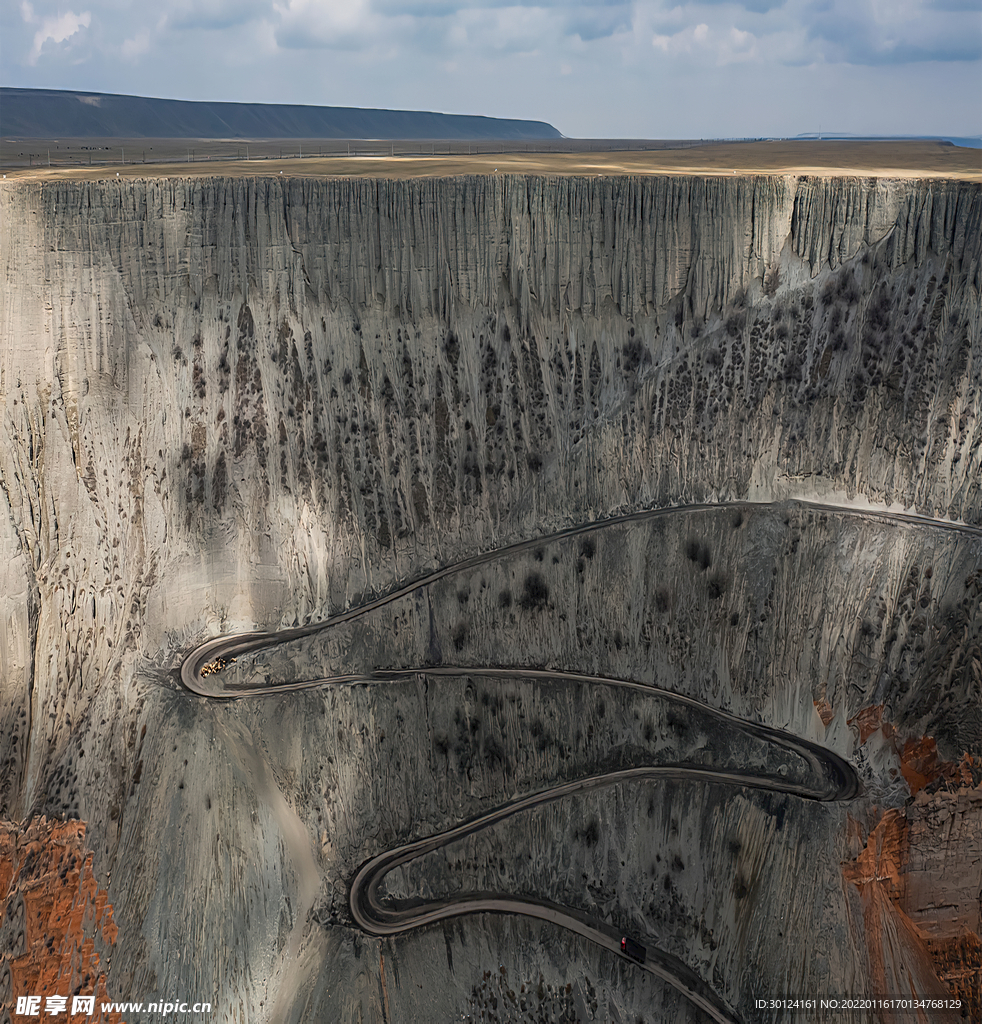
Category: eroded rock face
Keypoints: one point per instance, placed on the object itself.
(236, 404)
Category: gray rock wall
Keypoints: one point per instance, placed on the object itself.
(233, 404)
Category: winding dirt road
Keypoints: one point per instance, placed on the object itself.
(832, 777)
(233, 644)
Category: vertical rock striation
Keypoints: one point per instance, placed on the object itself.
(246, 403)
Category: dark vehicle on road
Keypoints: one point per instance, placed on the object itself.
(633, 949)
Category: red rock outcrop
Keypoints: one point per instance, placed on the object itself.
(920, 875)
(51, 909)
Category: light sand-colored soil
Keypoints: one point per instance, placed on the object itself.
(913, 159)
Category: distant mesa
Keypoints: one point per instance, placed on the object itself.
(964, 141)
(52, 113)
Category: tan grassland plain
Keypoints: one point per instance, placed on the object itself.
(914, 159)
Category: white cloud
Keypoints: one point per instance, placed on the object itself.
(457, 37)
(517, 29)
(877, 32)
(728, 45)
(57, 28)
(140, 43)
(349, 24)
(214, 15)
(736, 45)
(684, 41)
(571, 62)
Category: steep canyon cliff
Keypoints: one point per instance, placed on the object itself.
(251, 403)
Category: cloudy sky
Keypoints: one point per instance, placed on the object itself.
(598, 68)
